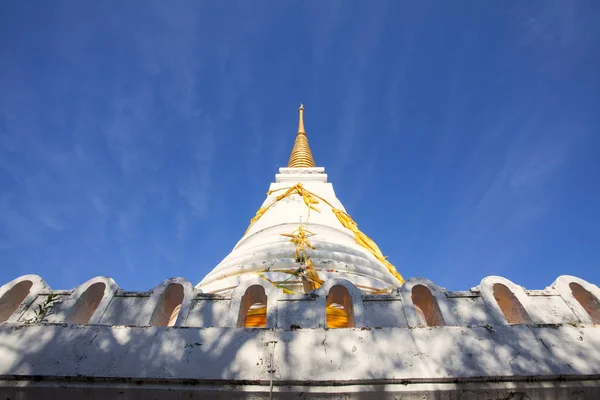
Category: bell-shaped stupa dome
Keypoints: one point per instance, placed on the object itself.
(302, 236)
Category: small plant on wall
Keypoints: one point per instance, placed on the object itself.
(43, 309)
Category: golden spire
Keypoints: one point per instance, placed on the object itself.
(301, 156)
(301, 119)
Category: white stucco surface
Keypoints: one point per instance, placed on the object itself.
(389, 352)
(350, 359)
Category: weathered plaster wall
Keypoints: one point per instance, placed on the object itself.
(469, 309)
(389, 352)
(351, 360)
(384, 312)
(207, 311)
(298, 311)
(124, 309)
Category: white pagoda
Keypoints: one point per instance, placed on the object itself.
(305, 306)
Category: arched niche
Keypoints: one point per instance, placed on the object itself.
(511, 307)
(253, 308)
(339, 310)
(328, 299)
(508, 303)
(587, 300)
(239, 302)
(86, 304)
(169, 305)
(580, 314)
(428, 300)
(426, 307)
(13, 297)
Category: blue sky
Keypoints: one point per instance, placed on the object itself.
(138, 138)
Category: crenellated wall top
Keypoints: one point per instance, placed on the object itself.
(419, 302)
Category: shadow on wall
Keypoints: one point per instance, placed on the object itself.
(434, 350)
(82, 349)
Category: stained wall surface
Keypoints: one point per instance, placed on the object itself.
(555, 355)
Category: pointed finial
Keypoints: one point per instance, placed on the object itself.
(301, 156)
(301, 119)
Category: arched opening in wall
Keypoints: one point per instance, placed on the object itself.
(587, 300)
(168, 307)
(338, 310)
(13, 298)
(86, 304)
(426, 306)
(511, 307)
(253, 308)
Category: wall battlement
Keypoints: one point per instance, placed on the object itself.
(419, 302)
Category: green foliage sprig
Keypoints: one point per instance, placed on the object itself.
(43, 309)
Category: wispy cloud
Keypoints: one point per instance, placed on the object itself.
(363, 47)
(125, 133)
(499, 209)
(96, 172)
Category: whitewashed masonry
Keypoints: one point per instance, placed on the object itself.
(497, 338)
